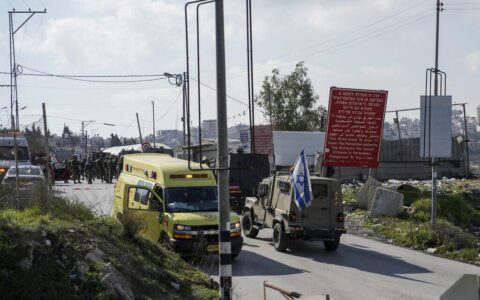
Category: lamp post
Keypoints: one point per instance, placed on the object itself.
(84, 133)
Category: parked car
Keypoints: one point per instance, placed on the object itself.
(28, 176)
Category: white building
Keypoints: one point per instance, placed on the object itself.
(209, 129)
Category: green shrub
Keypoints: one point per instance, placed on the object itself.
(422, 237)
(409, 196)
(455, 209)
(69, 210)
(130, 225)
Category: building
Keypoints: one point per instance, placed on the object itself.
(209, 129)
(478, 114)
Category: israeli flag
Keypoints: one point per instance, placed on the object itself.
(302, 186)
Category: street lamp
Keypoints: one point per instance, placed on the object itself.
(85, 124)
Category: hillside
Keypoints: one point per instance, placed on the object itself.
(63, 251)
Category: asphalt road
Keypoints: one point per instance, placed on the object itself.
(359, 269)
(98, 196)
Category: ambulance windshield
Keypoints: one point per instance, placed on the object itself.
(191, 199)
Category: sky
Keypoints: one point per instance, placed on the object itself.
(367, 44)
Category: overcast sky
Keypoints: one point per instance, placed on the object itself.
(370, 44)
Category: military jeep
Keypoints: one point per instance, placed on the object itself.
(275, 207)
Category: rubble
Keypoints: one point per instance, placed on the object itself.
(386, 203)
(362, 195)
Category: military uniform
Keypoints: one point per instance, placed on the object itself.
(76, 169)
(82, 168)
(99, 165)
(89, 166)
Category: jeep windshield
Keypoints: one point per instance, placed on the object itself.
(191, 199)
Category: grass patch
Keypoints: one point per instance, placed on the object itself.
(349, 196)
(45, 254)
(449, 240)
(451, 207)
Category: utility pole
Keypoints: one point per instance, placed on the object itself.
(467, 153)
(434, 166)
(225, 253)
(139, 130)
(83, 137)
(398, 125)
(14, 70)
(153, 113)
(47, 149)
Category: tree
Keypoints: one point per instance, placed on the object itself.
(36, 140)
(66, 132)
(115, 140)
(289, 101)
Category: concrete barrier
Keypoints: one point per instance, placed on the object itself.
(386, 203)
(465, 288)
(362, 195)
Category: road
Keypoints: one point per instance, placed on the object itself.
(98, 196)
(360, 269)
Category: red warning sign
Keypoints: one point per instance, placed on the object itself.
(355, 127)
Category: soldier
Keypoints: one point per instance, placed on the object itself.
(106, 169)
(99, 165)
(89, 166)
(76, 169)
(82, 168)
(119, 164)
(113, 167)
(66, 171)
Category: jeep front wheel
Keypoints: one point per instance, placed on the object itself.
(247, 223)
(280, 241)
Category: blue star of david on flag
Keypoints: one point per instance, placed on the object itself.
(302, 186)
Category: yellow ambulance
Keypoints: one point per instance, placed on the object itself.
(174, 205)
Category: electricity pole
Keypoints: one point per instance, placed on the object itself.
(225, 253)
(139, 130)
(14, 70)
(434, 167)
(153, 113)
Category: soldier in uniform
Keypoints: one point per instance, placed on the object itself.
(76, 169)
(66, 171)
(99, 165)
(113, 167)
(89, 166)
(120, 164)
(106, 169)
(82, 168)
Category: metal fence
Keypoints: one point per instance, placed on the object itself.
(401, 136)
(474, 157)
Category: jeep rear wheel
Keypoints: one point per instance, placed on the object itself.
(280, 241)
(332, 245)
(247, 224)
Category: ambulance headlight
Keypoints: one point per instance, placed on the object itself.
(235, 226)
(183, 227)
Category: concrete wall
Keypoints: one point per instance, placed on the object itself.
(402, 170)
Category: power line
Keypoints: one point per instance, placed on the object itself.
(230, 97)
(362, 38)
(171, 106)
(82, 77)
(388, 17)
